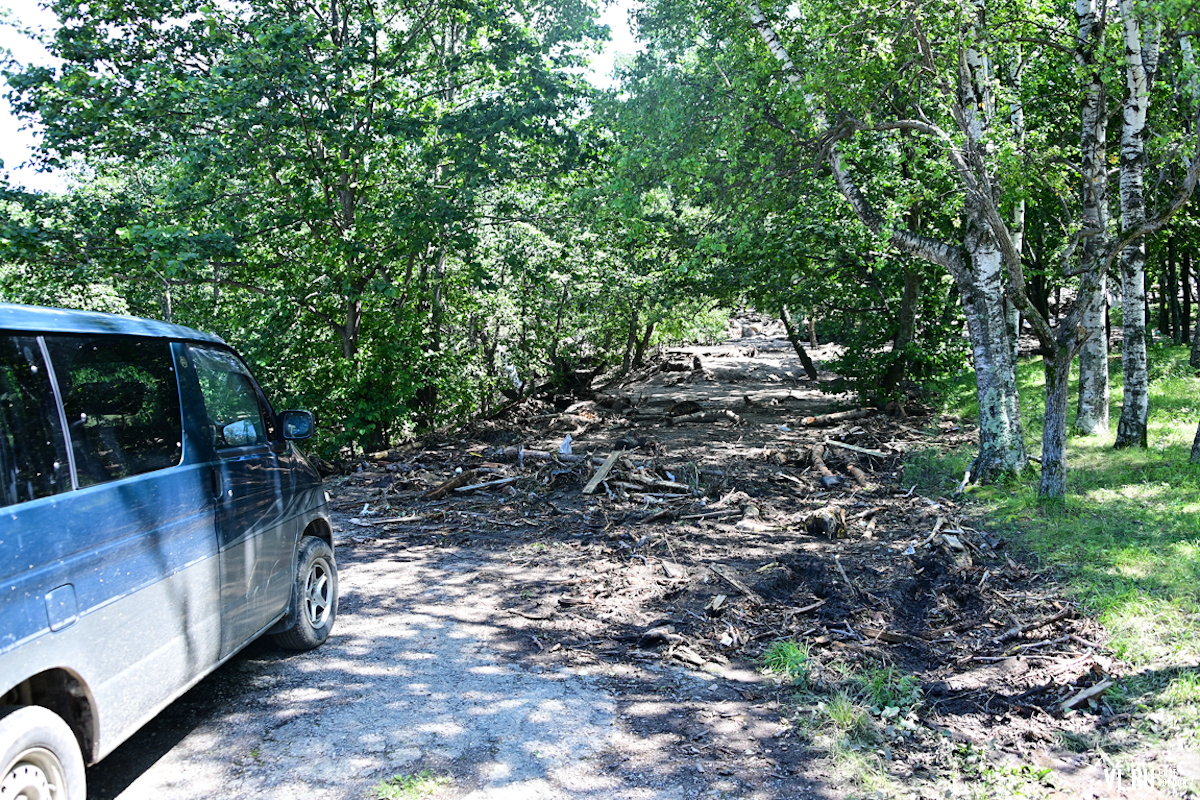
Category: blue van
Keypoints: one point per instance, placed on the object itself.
(155, 518)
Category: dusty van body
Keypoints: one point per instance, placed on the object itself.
(155, 518)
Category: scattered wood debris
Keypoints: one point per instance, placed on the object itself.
(667, 550)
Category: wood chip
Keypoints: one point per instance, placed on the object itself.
(674, 571)
(688, 656)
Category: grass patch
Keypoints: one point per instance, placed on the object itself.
(1126, 540)
(889, 690)
(410, 787)
(791, 660)
(854, 716)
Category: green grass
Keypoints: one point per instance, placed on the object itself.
(1126, 541)
(888, 689)
(791, 660)
(410, 787)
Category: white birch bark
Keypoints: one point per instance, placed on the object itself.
(1141, 61)
(1091, 416)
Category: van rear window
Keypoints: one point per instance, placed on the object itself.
(33, 456)
(121, 399)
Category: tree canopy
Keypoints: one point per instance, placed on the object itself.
(406, 211)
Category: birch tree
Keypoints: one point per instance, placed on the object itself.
(976, 261)
(1142, 28)
(1091, 416)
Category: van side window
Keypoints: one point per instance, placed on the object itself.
(33, 453)
(237, 415)
(121, 399)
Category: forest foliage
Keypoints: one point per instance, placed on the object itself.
(407, 213)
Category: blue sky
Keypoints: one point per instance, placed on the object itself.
(17, 138)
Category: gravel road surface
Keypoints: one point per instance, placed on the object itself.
(416, 676)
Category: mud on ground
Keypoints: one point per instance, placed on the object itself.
(714, 533)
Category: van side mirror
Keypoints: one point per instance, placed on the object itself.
(297, 425)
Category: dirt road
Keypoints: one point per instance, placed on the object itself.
(425, 672)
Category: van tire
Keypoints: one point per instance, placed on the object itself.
(38, 751)
(314, 597)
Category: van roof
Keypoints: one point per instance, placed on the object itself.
(63, 320)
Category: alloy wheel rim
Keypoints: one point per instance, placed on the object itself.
(317, 605)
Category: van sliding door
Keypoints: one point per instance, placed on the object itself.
(251, 487)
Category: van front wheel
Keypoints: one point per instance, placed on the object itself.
(40, 756)
(314, 597)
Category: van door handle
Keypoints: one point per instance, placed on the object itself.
(216, 482)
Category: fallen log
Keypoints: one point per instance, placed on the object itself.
(891, 637)
(839, 416)
(829, 521)
(370, 523)
(818, 460)
(857, 449)
(707, 416)
(857, 474)
(1021, 630)
(486, 485)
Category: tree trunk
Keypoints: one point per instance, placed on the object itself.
(976, 264)
(793, 335)
(643, 344)
(1091, 418)
(1185, 280)
(426, 396)
(349, 331)
(1001, 441)
(631, 338)
(1164, 320)
(1173, 304)
(1196, 447)
(1141, 60)
(905, 333)
(1194, 357)
(1054, 440)
(1135, 408)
